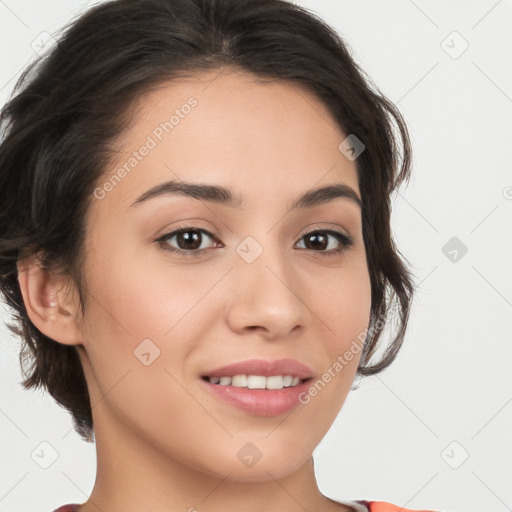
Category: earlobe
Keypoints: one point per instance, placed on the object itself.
(47, 302)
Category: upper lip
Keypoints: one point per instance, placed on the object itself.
(263, 367)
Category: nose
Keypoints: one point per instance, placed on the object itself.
(267, 297)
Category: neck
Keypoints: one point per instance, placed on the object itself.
(134, 475)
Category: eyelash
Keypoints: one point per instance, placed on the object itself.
(345, 241)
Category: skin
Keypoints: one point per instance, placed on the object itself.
(163, 443)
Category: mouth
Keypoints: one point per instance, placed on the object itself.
(259, 387)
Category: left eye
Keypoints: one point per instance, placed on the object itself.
(190, 241)
(319, 239)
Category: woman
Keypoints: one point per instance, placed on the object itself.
(196, 246)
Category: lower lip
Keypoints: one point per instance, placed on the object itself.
(260, 402)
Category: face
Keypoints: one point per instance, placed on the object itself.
(251, 279)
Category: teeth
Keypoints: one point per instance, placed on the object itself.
(256, 381)
(240, 381)
(287, 380)
(275, 382)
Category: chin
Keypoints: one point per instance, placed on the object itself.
(248, 464)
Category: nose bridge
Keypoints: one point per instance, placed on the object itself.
(262, 261)
(266, 293)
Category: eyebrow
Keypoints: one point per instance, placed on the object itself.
(224, 196)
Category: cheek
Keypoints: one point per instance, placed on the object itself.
(141, 296)
(138, 325)
(342, 307)
(341, 301)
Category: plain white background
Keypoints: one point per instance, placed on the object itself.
(433, 430)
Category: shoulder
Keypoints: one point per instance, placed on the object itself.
(72, 507)
(382, 506)
(371, 506)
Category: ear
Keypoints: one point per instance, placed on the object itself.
(51, 302)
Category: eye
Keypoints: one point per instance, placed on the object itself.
(318, 241)
(189, 241)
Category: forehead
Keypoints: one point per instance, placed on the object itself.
(263, 138)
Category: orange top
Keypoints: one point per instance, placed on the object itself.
(382, 506)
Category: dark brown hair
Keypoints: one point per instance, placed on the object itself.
(68, 108)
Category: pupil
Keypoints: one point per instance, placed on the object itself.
(190, 241)
(317, 237)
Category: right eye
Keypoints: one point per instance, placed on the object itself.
(189, 241)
